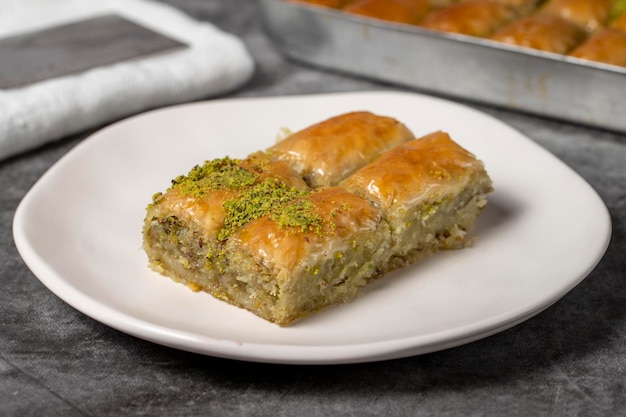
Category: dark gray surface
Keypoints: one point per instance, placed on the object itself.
(568, 361)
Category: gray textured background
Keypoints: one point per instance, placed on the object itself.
(569, 360)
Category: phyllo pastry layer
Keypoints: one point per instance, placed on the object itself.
(430, 190)
(402, 11)
(327, 152)
(606, 45)
(471, 17)
(543, 32)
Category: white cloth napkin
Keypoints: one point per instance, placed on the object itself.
(215, 63)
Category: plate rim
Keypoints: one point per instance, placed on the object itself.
(289, 354)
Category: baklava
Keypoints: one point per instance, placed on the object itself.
(588, 14)
(543, 32)
(606, 45)
(470, 17)
(400, 11)
(307, 223)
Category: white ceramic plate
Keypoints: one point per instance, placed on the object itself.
(79, 231)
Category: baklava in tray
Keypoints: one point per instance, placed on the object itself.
(559, 26)
(561, 59)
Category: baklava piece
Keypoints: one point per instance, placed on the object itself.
(400, 11)
(588, 14)
(316, 251)
(542, 32)
(471, 17)
(619, 22)
(309, 222)
(430, 190)
(329, 151)
(522, 7)
(185, 226)
(606, 45)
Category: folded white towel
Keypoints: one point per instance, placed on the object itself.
(214, 63)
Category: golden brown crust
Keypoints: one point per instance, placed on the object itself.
(588, 14)
(284, 248)
(414, 171)
(606, 45)
(524, 4)
(542, 32)
(401, 11)
(207, 210)
(328, 151)
(620, 22)
(471, 17)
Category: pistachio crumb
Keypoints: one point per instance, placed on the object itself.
(287, 206)
(222, 173)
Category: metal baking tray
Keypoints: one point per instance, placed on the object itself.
(452, 65)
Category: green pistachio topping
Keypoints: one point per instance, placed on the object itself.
(619, 7)
(288, 206)
(301, 215)
(156, 197)
(259, 162)
(214, 175)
